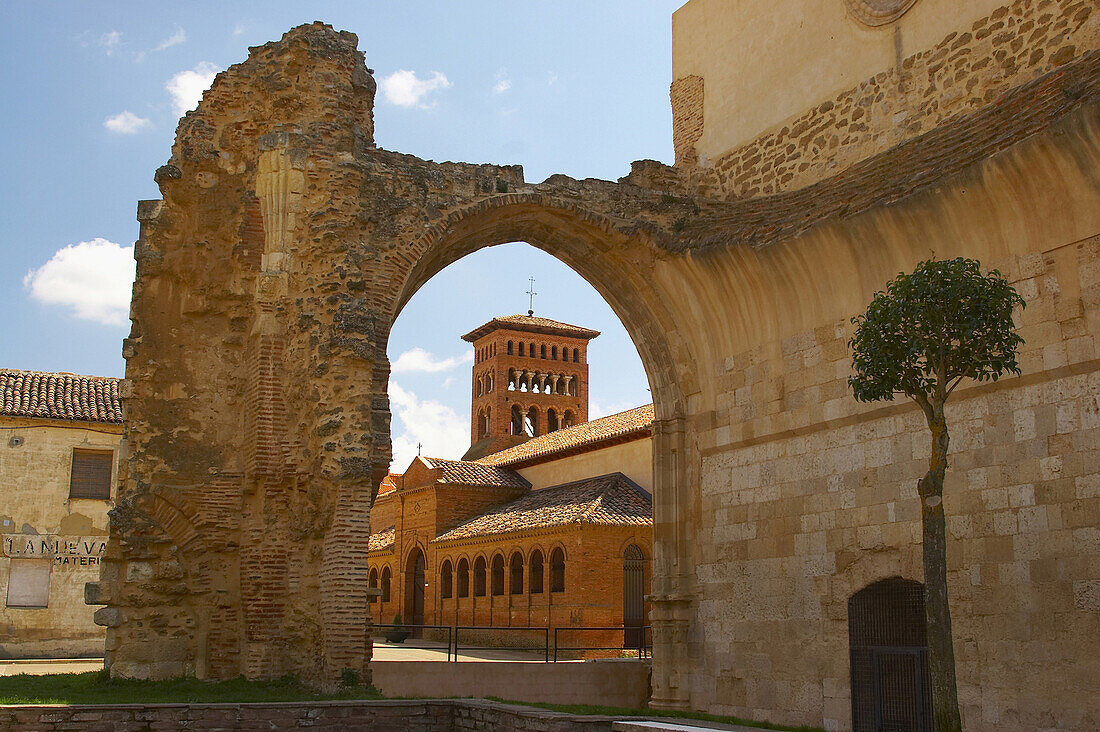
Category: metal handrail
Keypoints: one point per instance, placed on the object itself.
(545, 644)
(454, 645)
(411, 626)
(644, 649)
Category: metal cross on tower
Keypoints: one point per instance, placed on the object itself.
(532, 293)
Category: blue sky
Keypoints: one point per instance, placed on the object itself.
(94, 91)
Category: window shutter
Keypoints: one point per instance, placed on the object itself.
(91, 474)
(29, 583)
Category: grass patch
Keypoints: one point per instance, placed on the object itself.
(588, 709)
(97, 687)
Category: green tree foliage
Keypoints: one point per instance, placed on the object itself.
(933, 328)
(922, 337)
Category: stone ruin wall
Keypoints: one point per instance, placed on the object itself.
(257, 419)
(966, 71)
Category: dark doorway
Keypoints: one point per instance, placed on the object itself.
(414, 590)
(633, 597)
(889, 657)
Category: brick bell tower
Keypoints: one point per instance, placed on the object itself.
(530, 378)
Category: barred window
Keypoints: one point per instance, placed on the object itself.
(91, 474)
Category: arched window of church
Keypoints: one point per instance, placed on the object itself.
(498, 575)
(372, 582)
(479, 577)
(521, 348)
(531, 349)
(536, 572)
(553, 353)
(551, 420)
(516, 580)
(516, 426)
(488, 383)
(385, 584)
(542, 351)
(557, 570)
(509, 348)
(445, 580)
(511, 379)
(576, 355)
(463, 578)
(573, 386)
(567, 420)
(531, 422)
(478, 390)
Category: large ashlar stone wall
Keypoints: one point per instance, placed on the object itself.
(286, 243)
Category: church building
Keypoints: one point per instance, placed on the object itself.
(547, 519)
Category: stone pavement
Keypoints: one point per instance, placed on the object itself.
(37, 666)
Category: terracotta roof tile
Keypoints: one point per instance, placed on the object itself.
(637, 421)
(60, 396)
(608, 499)
(461, 472)
(388, 484)
(381, 541)
(530, 324)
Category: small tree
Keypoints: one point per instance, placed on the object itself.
(922, 337)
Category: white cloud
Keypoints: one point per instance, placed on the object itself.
(434, 426)
(187, 87)
(173, 40)
(238, 29)
(417, 359)
(551, 78)
(404, 89)
(110, 42)
(503, 82)
(94, 278)
(126, 123)
(596, 409)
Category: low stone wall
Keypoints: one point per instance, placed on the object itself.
(606, 682)
(425, 715)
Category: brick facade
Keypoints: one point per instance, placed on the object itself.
(530, 377)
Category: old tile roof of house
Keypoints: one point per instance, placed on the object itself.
(388, 484)
(461, 472)
(607, 499)
(530, 324)
(60, 396)
(381, 541)
(633, 422)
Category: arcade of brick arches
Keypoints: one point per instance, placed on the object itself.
(865, 136)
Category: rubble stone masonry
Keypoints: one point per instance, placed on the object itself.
(968, 69)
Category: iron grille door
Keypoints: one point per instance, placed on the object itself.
(633, 597)
(889, 658)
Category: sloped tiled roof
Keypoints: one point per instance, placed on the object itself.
(388, 484)
(608, 499)
(637, 421)
(461, 472)
(530, 324)
(381, 541)
(60, 396)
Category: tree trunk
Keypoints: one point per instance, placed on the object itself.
(937, 614)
